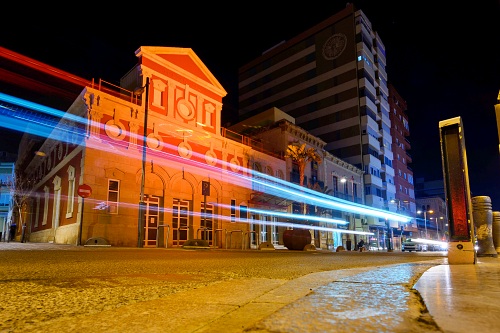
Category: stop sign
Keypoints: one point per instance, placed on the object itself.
(84, 190)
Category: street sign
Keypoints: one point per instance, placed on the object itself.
(205, 188)
(84, 191)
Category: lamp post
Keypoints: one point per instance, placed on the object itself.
(398, 202)
(442, 228)
(437, 226)
(398, 210)
(425, 210)
(142, 204)
(389, 236)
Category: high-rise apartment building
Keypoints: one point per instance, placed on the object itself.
(332, 80)
(404, 200)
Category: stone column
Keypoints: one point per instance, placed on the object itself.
(483, 220)
(496, 231)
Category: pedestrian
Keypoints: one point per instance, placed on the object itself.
(361, 245)
(13, 227)
(23, 234)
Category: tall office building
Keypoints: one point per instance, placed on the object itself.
(332, 80)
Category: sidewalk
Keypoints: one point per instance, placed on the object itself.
(463, 298)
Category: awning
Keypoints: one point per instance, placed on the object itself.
(269, 201)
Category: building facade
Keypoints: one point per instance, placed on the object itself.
(187, 162)
(332, 80)
(333, 176)
(147, 164)
(432, 219)
(404, 200)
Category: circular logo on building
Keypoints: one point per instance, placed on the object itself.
(334, 46)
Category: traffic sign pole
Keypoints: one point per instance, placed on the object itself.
(81, 223)
(84, 191)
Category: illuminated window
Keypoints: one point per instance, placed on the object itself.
(233, 210)
(207, 220)
(368, 190)
(243, 212)
(314, 172)
(113, 196)
(56, 204)
(180, 220)
(46, 197)
(257, 184)
(37, 214)
(71, 192)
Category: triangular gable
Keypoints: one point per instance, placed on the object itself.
(181, 60)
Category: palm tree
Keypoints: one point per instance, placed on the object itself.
(301, 155)
(297, 239)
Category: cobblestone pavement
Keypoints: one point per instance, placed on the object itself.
(64, 288)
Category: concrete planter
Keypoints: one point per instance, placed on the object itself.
(296, 239)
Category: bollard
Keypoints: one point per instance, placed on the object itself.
(496, 231)
(483, 220)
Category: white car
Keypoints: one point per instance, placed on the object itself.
(409, 245)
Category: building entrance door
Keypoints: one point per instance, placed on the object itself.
(180, 221)
(207, 223)
(152, 216)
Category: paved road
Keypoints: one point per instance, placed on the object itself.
(63, 288)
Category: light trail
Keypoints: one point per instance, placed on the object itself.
(272, 185)
(42, 67)
(216, 218)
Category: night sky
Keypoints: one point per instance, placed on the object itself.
(444, 61)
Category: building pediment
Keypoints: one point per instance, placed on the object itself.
(181, 61)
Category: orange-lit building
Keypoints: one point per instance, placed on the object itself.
(188, 163)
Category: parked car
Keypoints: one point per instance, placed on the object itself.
(409, 245)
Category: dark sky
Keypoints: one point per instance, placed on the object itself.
(442, 57)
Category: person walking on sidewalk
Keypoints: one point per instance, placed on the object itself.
(12, 231)
(23, 234)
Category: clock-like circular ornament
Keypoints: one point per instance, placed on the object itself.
(185, 109)
(184, 149)
(334, 46)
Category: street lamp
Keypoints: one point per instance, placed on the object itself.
(142, 204)
(425, 210)
(437, 225)
(399, 206)
(398, 210)
(439, 222)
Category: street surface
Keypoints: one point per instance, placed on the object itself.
(65, 288)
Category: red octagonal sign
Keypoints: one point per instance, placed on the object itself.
(84, 190)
